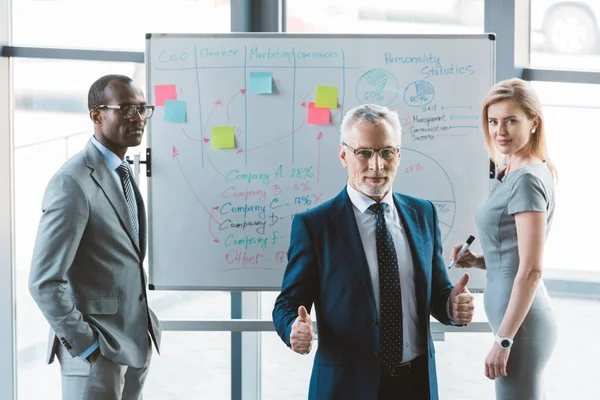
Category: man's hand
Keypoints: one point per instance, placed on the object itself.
(302, 335)
(461, 302)
(94, 356)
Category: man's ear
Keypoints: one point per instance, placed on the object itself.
(96, 116)
(343, 154)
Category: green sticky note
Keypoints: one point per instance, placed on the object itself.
(326, 97)
(223, 137)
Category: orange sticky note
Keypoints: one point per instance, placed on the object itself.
(163, 93)
(318, 115)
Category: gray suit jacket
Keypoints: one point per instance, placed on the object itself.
(87, 275)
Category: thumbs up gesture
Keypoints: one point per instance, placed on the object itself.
(302, 335)
(461, 302)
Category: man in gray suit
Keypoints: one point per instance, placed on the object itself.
(87, 273)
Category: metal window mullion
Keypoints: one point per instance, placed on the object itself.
(8, 367)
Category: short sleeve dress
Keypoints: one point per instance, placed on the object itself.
(530, 188)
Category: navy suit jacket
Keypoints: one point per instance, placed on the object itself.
(327, 266)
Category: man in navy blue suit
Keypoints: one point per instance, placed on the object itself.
(371, 262)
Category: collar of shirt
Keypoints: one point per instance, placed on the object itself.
(362, 202)
(111, 158)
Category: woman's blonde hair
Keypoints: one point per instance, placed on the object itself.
(520, 92)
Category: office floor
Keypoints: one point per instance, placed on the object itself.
(196, 365)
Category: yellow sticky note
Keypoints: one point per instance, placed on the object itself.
(326, 97)
(223, 137)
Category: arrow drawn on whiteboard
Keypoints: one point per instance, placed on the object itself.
(319, 138)
(189, 137)
(215, 105)
(276, 140)
(206, 140)
(304, 100)
(242, 92)
(215, 239)
(176, 157)
(339, 110)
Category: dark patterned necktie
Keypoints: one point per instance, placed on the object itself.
(125, 175)
(390, 312)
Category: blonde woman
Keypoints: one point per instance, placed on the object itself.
(513, 224)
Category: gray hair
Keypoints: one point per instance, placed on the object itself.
(370, 114)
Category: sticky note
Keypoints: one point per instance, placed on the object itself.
(175, 110)
(164, 92)
(261, 82)
(223, 137)
(326, 97)
(317, 115)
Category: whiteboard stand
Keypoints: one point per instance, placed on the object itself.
(136, 168)
(136, 165)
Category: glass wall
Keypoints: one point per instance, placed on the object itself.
(51, 124)
(112, 24)
(565, 34)
(573, 139)
(393, 17)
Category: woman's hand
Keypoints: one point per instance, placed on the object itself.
(495, 362)
(467, 259)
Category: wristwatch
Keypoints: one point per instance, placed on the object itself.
(505, 343)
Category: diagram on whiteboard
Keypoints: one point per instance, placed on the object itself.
(245, 136)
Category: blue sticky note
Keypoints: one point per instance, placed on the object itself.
(175, 110)
(261, 82)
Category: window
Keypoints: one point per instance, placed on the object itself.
(112, 24)
(390, 16)
(565, 34)
(51, 124)
(570, 112)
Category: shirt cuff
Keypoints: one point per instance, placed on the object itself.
(85, 354)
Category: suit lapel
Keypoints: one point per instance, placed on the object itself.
(412, 227)
(345, 224)
(102, 175)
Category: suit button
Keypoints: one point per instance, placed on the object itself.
(376, 353)
(142, 297)
(65, 343)
(375, 321)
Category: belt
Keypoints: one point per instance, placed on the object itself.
(403, 369)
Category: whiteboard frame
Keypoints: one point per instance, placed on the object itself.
(149, 36)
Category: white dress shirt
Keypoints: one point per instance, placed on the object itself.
(414, 338)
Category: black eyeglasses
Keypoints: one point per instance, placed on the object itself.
(129, 111)
(387, 153)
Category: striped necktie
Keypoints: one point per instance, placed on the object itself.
(392, 341)
(125, 175)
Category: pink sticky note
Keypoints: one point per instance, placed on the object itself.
(164, 92)
(318, 115)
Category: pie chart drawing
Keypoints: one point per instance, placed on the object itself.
(419, 93)
(377, 86)
(421, 176)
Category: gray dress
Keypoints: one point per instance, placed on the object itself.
(526, 189)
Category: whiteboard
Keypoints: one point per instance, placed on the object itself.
(238, 147)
